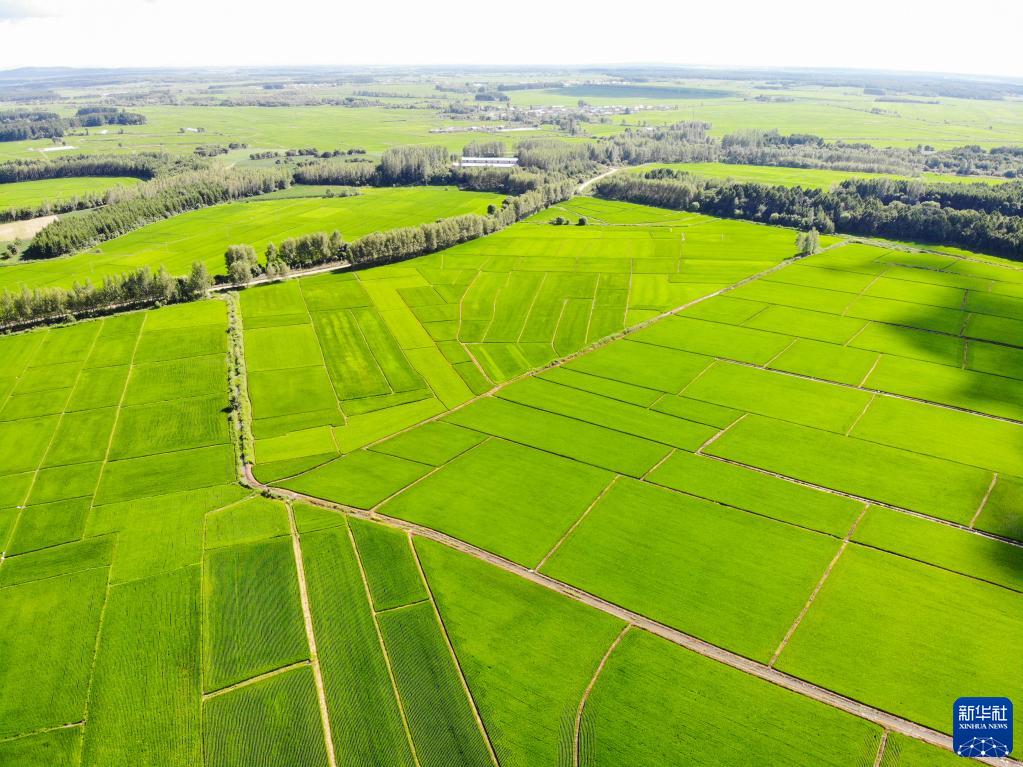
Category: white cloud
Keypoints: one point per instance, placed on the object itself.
(879, 34)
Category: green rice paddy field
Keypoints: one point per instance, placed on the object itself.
(805, 177)
(765, 465)
(203, 235)
(32, 194)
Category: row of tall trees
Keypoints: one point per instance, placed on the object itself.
(144, 166)
(22, 124)
(138, 288)
(150, 202)
(408, 242)
(844, 209)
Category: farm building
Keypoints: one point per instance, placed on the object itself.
(489, 162)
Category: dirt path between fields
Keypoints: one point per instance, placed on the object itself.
(589, 182)
(755, 668)
(26, 229)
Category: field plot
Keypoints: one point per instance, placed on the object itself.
(650, 707)
(340, 361)
(804, 177)
(32, 194)
(203, 235)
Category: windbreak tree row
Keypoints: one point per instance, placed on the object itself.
(850, 208)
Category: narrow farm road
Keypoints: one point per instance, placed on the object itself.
(581, 189)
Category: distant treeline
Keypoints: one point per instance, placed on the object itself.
(151, 202)
(689, 142)
(144, 166)
(855, 207)
(408, 165)
(22, 124)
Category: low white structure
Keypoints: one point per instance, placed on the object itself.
(489, 162)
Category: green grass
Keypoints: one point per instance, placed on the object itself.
(526, 652)
(1001, 513)
(900, 635)
(942, 545)
(804, 177)
(163, 427)
(176, 379)
(760, 493)
(204, 235)
(252, 520)
(56, 748)
(440, 716)
(652, 705)
(677, 559)
(872, 471)
(159, 534)
(57, 560)
(509, 499)
(563, 435)
(166, 473)
(391, 571)
(65, 610)
(982, 442)
(273, 722)
(362, 479)
(609, 413)
(253, 619)
(902, 751)
(145, 694)
(797, 400)
(364, 715)
(32, 194)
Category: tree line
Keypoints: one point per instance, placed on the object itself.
(844, 209)
(141, 287)
(151, 202)
(23, 124)
(394, 244)
(144, 166)
(145, 286)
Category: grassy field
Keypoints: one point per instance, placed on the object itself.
(32, 194)
(203, 235)
(804, 177)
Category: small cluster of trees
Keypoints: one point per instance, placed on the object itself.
(20, 125)
(150, 202)
(138, 288)
(847, 209)
(484, 149)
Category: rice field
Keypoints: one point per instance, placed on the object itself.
(203, 235)
(819, 471)
(804, 177)
(33, 194)
(787, 438)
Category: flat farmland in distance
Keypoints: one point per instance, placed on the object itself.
(31, 194)
(804, 177)
(203, 235)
